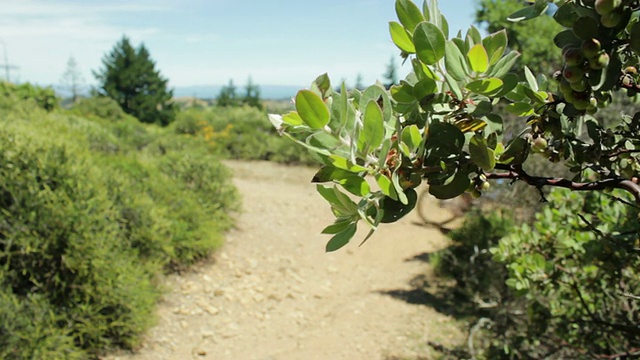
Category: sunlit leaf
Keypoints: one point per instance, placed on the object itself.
(520, 109)
(478, 58)
(455, 62)
(312, 109)
(401, 37)
(409, 14)
(429, 42)
(488, 87)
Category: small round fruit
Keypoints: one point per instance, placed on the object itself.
(485, 186)
(600, 61)
(475, 193)
(580, 86)
(539, 144)
(604, 7)
(611, 19)
(573, 56)
(572, 73)
(631, 70)
(591, 48)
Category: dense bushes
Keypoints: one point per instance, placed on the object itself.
(239, 133)
(92, 211)
(558, 289)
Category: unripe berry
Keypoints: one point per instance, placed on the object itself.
(573, 56)
(580, 86)
(600, 61)
(572, 73)
(475, 193)
(539, 144)
(485, 186)
(611, 19)
(631, 70)
(604, 7)
(591, 48)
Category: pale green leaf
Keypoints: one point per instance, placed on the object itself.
(373, 127)
(455, 62)
(429, 42)
(409, 14)
(312, 109)
(401, 38)
(478, 58)
(488, 87)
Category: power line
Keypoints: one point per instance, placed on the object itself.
(7, 67)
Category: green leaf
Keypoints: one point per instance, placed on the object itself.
(342, 238)
(520, 109)
(455, 187)
(394, 210)
(424, 88)
(496, 45)
(403, 93)
(337, 205)
(478, 58)
(345, 164)
(338, 226)
(351, 182)
(373, 126)
(323, 83)
(453, 86)
(531, 79)
(528, 13)
(401, 38)
(409, 14)
(292, 118)
(455, 62)
(429, 42)
(474, 34)
(386, 186)
(312, 109)
(488, 87)
(481, 154)
(504, 65)
(509, 82)
(412, 137)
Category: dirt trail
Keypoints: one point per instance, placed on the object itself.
(272, 293)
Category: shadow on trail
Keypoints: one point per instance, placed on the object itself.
(441, 297)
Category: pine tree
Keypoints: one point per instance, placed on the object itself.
(130, 78)
(227, 96)
(252, 95)
(391, 75)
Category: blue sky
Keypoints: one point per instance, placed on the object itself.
(202, 42)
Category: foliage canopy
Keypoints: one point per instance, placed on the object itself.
(129, 76)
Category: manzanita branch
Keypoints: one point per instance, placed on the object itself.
(515, 172)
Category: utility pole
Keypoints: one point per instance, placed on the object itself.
(7, 67)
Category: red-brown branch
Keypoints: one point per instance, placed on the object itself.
(517, 173)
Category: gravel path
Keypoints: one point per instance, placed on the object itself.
(272, 293)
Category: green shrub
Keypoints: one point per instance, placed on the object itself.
(92, 211)
(239, 133)
(469, 262)
(99, 106)
(44, 98)
(61, 240)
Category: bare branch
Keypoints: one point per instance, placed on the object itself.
(515, 172)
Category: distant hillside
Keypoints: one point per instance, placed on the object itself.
(267, 92)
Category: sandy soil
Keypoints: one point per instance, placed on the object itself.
(272, 293)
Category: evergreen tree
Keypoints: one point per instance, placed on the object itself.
(228, 96)
(391, 75)
(252, 95)
(130, 78)
(359, 82)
